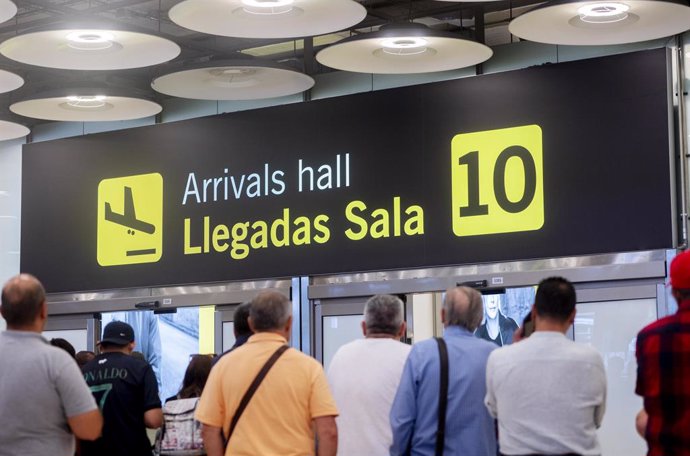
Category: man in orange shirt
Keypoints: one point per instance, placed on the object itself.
(292, 401)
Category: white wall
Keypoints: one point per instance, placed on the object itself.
(10, 209)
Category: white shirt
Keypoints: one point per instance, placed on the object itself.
(364, 376)
(548, 394)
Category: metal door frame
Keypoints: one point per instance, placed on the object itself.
(89, 322)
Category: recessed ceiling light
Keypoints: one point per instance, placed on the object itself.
(90, 40)
(267, 6)
(231, 80)
(267, 18)
(89, 49)
(86, 108)
(403, 49)
(570, 22)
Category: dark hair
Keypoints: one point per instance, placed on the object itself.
(195, 377)
(83, 357)
(22, 298)
(65, 345)
(555, 298)
(269, 310)
(241, 320)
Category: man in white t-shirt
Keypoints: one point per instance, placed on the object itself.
(364, 376)
(547, 392)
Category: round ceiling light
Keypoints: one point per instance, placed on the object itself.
(403, 49)
(233, 81)
(601, 23)
(7, 10)
(84, 49)
(9, 81)
(86, 108)
(267, 18)
(11, 130)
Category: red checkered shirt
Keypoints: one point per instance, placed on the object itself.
(663, 380)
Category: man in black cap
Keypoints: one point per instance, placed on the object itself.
(126, 391)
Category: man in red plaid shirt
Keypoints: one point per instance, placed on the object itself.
(663, 372)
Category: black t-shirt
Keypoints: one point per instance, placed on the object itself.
(124, 388)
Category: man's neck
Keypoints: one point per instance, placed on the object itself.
(550, 325)
(382, 336)
(34, 328)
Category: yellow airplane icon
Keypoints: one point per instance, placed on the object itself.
(116, 209)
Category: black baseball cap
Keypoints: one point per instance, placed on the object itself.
(118, 333)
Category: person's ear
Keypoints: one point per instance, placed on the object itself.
(288, 324)
(571, 318)
(250, 322)
(130, 346)
(403, 327)
(364, 328)
(44, 310)
(443, 315)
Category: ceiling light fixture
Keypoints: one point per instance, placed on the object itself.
(90, 40)
(87, 105)
(7, 10)
(89, 49)
(267, 18)
(404, 45)
(233, 80)
(267, 6)
(87, 101)
(569, 22)
(403, 49)
(11, 130)
(603, 13)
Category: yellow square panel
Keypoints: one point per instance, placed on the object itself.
(497, 181)
(130, 220)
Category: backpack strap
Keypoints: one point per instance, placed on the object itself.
(252, 389)
(443, 396)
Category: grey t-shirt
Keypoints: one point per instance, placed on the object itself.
(40, 387)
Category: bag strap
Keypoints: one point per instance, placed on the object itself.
(252, 389)
(443, 396)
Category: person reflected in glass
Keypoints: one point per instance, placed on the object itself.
(496, 328)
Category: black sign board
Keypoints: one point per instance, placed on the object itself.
(562, 159)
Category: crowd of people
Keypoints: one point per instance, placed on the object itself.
(458, 394)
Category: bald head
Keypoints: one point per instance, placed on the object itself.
(463, 307)
(22, 301)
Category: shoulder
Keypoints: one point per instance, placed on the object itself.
(508, 322)
(657, 327)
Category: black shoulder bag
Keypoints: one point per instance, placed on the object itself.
(443, 396)
(442, 400)
(252, 389)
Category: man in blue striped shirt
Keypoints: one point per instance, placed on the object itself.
(469, 429)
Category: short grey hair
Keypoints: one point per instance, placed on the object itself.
(464, 307)
(383, 314)
(269, 310)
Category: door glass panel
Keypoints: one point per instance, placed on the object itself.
(165, 340)
(504, 311)
(594, 325)
(76, 337)
(228, 335)
(338, 331)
